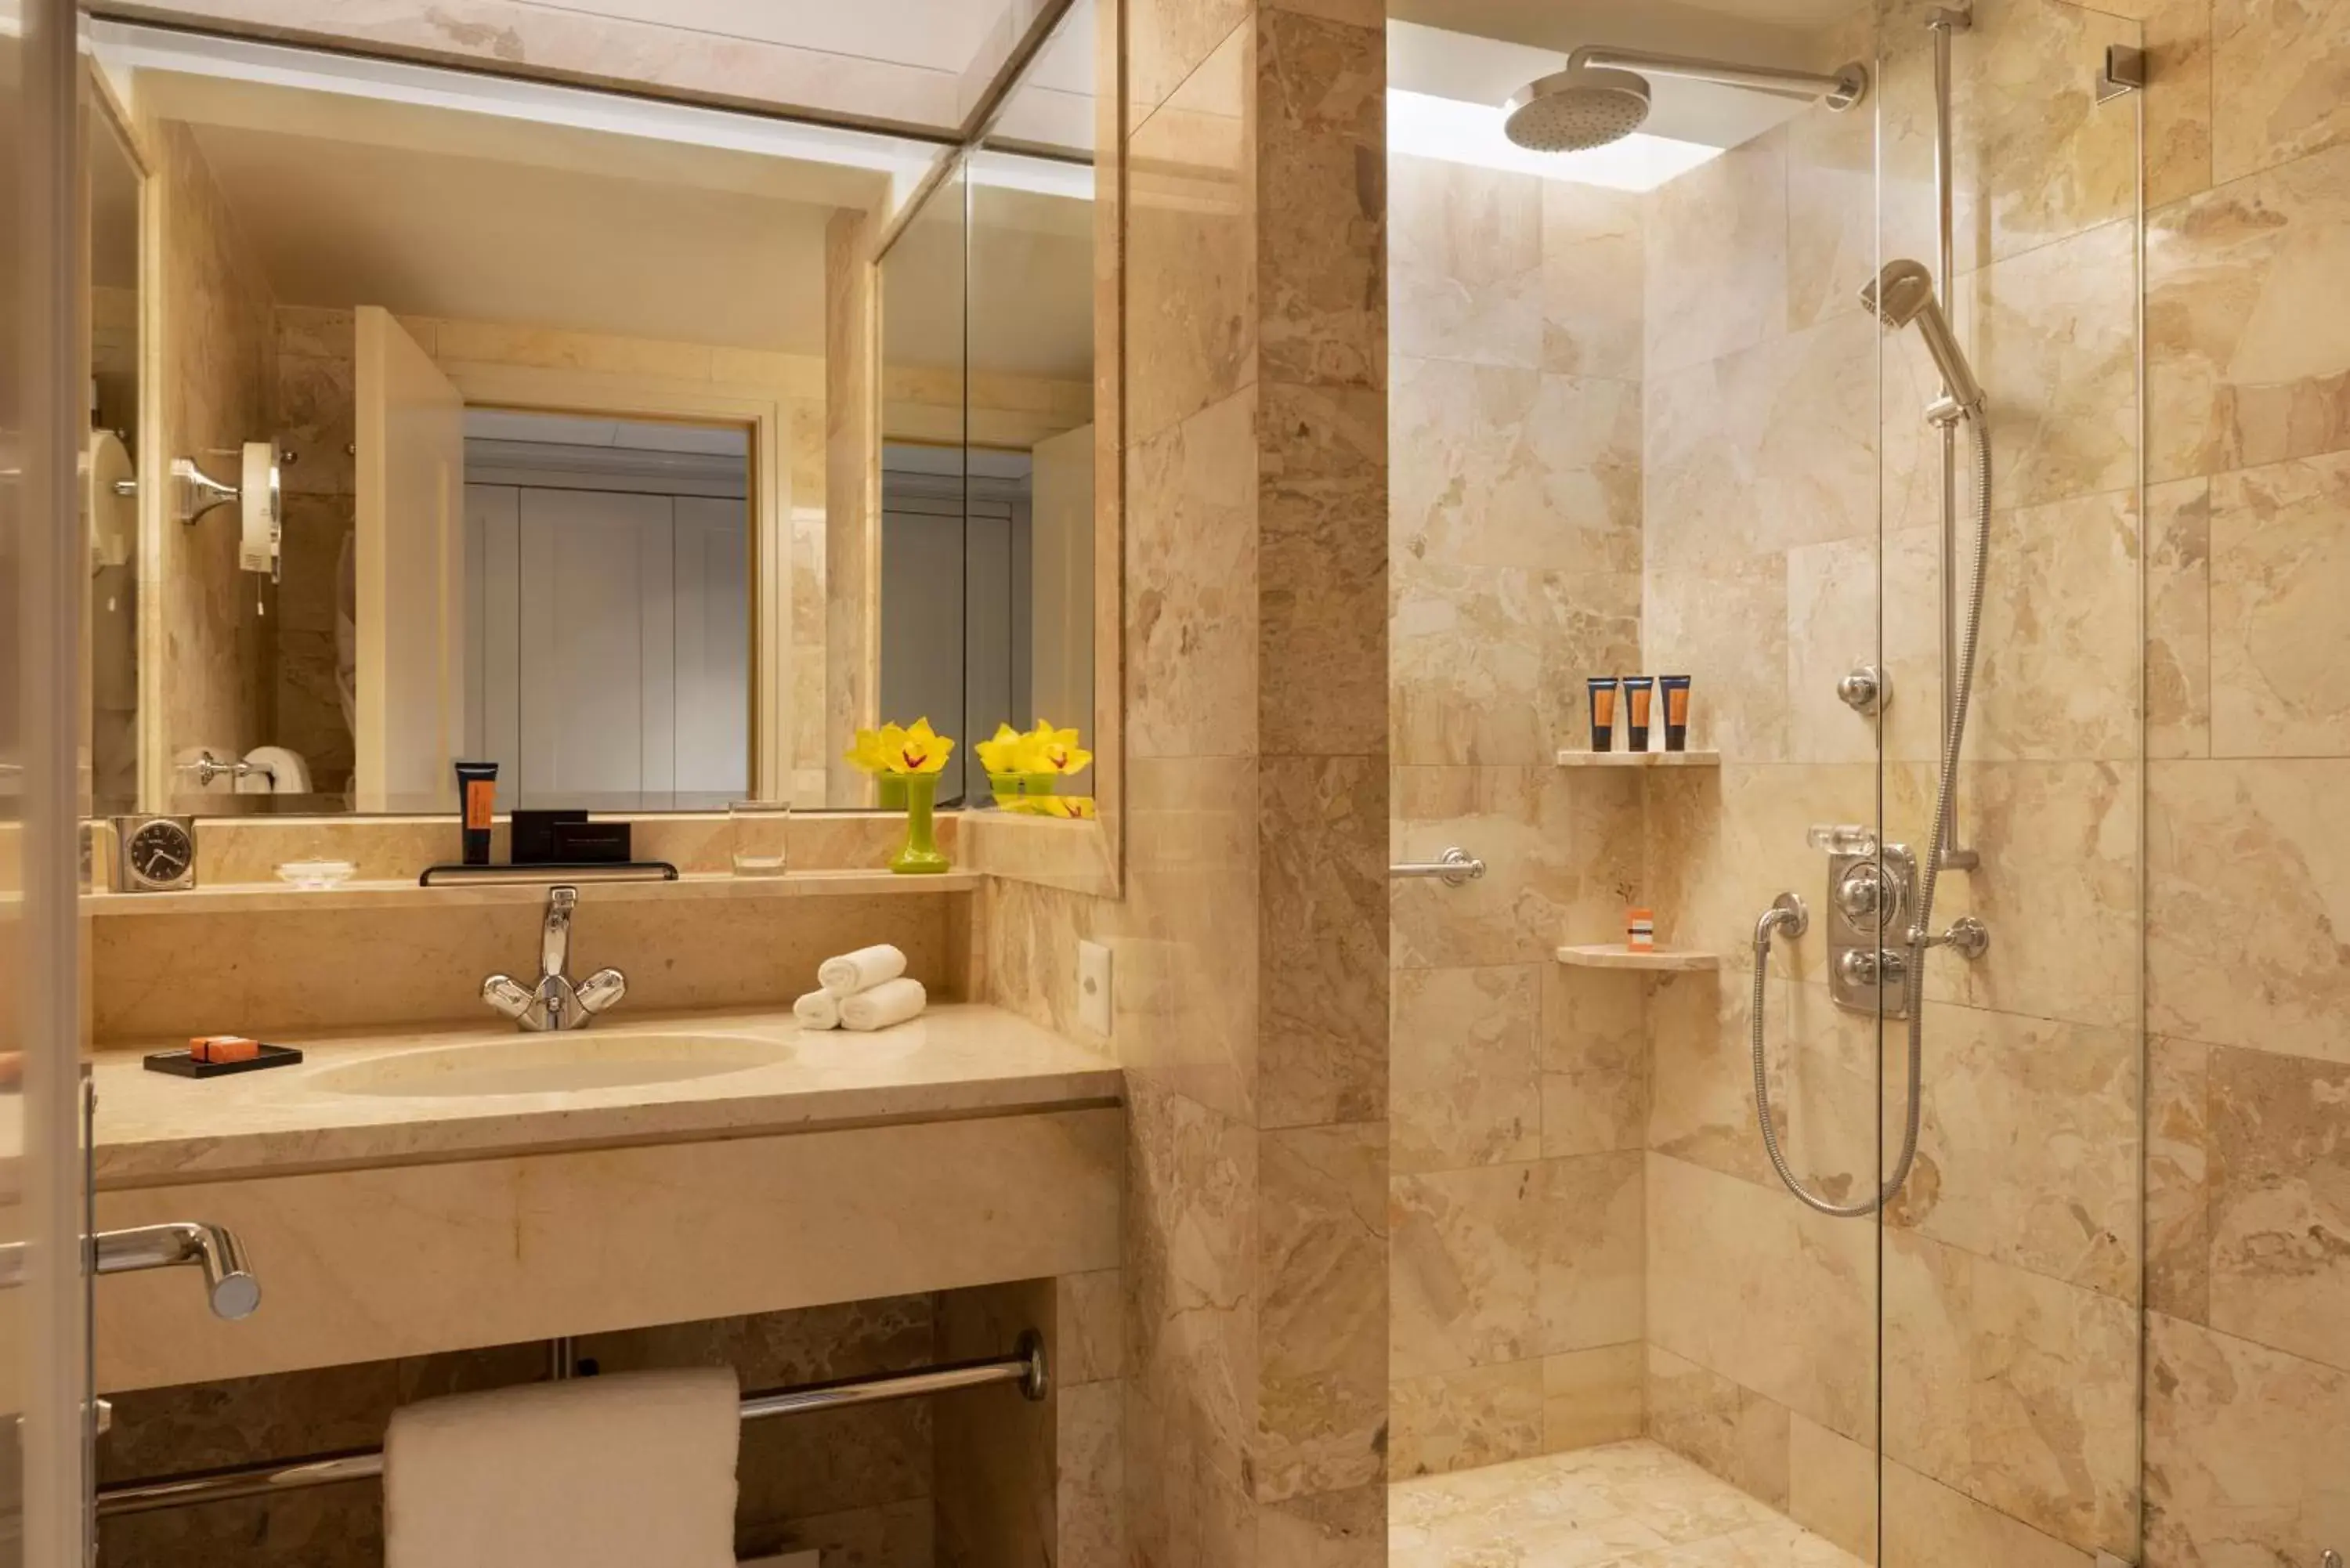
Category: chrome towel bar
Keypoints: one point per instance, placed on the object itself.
(1024, 1366)
(1452, 868)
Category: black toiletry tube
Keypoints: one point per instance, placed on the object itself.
(1640, 693)
(1603, 712)
(1677, 701)
(477, 803)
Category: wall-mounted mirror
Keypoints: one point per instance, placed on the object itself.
(110, 509)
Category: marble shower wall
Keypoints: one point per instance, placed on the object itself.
(2248, 253)
(215, 664)
(1519, 1088)
(1792, 527)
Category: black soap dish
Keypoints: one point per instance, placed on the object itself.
(183, 1064)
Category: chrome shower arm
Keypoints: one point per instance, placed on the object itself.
(1840, 91)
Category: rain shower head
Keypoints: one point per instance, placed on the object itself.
(1577, 108)
(1602, 96)
(1903, 294)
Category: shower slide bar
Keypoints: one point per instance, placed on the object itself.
(1024, 1367)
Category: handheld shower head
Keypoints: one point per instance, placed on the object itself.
(1903, 294)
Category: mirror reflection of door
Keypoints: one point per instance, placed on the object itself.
(607, 644)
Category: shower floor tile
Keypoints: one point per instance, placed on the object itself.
(1627, 1505)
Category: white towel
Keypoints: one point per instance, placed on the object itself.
(860, 970)
(287, 773)
(817, 1010)
(891, 1002)
(624, 1471)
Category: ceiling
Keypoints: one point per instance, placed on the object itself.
(1775, 32)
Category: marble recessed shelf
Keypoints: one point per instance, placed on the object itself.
(1572, 759)
(1616, 955)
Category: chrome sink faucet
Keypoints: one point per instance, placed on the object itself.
(556, 1004)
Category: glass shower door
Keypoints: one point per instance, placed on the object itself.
(2011, 1256)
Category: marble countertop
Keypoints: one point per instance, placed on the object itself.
(955, 1061)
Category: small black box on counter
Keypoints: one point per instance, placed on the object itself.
(533, 842)
(591, 843)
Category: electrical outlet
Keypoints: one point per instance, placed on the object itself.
(1093, 987)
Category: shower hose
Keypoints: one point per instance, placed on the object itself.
(1919, 938)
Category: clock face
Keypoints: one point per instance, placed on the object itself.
(162, 852)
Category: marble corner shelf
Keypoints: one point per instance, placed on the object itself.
(1616, 955)
(1574, 759)
(272, 897)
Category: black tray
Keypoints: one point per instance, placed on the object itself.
(540, 873)
(181, 1065)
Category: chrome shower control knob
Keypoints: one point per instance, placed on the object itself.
(1867, 691)
(1884, 967)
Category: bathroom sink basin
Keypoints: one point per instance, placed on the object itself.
(553, 1064)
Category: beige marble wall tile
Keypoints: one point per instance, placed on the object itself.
(1488, 663)
(2058, 657)
(1192, 212)
(1734, 1432)
(1191, 545)
(1321, 137)
(1465, 1269)
(1847, 606)
(1594, 1397)
(2037, 158)
(2245, 883)
(1168, 41)
(2178, 100)
(2016, 1389)
(1561, 854)
(1467, 253)
(2280, 1202)
(2053, 332)
(1593, 265)
(1468, 1087)
(2178, 1179)
(2030, 1150)
(1446, 1421)
(1322, 1398)
(2179, 619)
(1744, 1277)
(1090, 1477)
(1728, 631)
(1191, 1230)
(1832, 1485)
(2280, 82)
(1504, 466)
(2245, 365)
(1770, 446)
(2280, 567)
(1187, 999)
(1593, 1051)
(2243, 1450)
(1322, 570)
(1322, 938)
(1717, 256)
(1926, 1524)
(1832, 205)
(1591, 1280)
(1334, 1529)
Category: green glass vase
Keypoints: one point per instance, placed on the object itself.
(920, 856)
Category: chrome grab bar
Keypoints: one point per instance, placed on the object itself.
(1452, 868)
(229, 1284)
(1025, 1367)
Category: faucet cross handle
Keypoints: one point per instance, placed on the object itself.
(555, 1002)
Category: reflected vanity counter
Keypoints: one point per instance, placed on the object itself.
(411, 1191)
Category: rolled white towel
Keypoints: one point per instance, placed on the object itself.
(860, 970)
(817, 1010)
(891, 1002)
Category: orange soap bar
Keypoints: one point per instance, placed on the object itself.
(223, 1048)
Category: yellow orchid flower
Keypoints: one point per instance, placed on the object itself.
(920, 750)
(866, 754)
(1071, 807)
(1006, 753)
(1057, 750)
